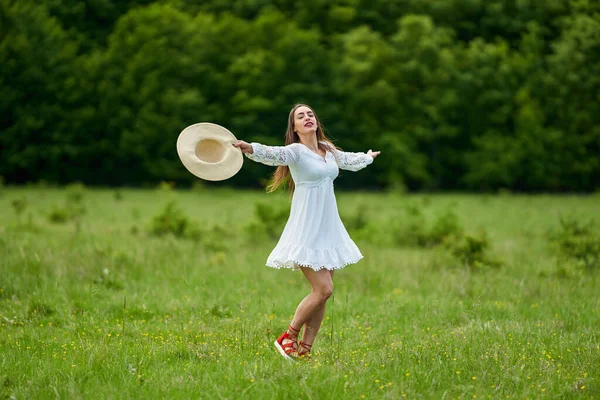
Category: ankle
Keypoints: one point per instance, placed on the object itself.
(304, 348)
(293, 332)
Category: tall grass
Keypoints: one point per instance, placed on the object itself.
(103, 308)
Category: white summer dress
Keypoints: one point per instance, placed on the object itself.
(314, 235)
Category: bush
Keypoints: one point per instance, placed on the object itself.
(412, 227)
(166, 186)
(73, 209)
(409, 228)
(357, 220)
(39, 309)
(19, 206)
(270, 221)
(471, 250)
(75, 193)
(215, 239)
(170, 220)
(578, 242)
(59, 215)
(444, 226)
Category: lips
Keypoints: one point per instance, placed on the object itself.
(308, 124)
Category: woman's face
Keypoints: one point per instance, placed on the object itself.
(305, 122)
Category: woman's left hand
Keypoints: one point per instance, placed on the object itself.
(373, 153)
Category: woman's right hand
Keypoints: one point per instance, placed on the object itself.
(245, 147)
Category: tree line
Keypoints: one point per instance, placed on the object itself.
(458, 94)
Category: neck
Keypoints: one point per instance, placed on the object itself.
(309, 141)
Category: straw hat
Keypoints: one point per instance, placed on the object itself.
(206, 150)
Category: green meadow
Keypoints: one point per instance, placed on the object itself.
(110, 293)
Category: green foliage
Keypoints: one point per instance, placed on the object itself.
(578, 241)
(445, 225)
(36, 56)
(66, 213)
(269, 220)
(471, 250)
(108, 280)
(73, 208)
(39, 309)
(75, 193)
(59, 215)
(459, 94)
(19, 206)
(166, 186)
(215, 239)
(413, 228)
(357, 220)
(409, 228)
(220, 311)
(170, 220)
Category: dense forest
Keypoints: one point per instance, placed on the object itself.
(458, 94)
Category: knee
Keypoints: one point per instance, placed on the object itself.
(325, 292)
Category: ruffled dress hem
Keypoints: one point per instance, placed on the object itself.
(294, 257)
(295, 265)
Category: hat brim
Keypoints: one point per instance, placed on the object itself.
(225, 168)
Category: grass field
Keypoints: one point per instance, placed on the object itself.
(100, 308)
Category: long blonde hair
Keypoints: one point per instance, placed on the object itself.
(282, 173)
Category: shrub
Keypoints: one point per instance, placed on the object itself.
(471, 250)
(270, 220)
(39, 309)
(19, 206)
(357, 220)
(412, 227)
(220, 311)
(166, 186)
(106, 279)
(66, 213)
(75, 193)
(409, 228)
(578, 242)
(444, 226)
(215, 239)
(59, 215)
(73, 209)
(170, 220)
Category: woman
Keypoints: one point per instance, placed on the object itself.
(314, 238)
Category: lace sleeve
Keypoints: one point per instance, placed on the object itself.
(352, 161)
(273, 155)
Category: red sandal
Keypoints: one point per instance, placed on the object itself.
(306, 347)
(290, 347)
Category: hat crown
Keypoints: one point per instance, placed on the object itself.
(210, 150)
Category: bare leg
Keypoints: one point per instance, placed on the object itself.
(321, 289)
(311, 328)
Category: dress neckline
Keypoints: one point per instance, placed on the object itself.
(324, 158)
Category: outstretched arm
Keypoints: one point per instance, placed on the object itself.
(269, 155)
(355, 161)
